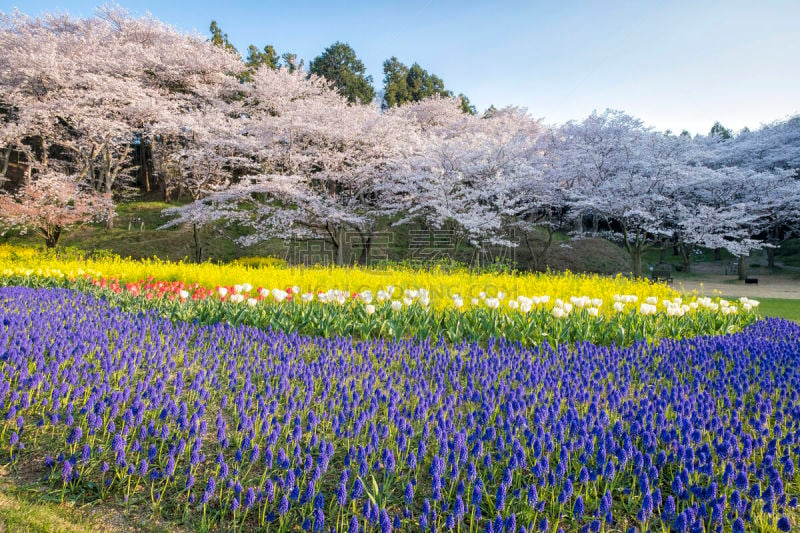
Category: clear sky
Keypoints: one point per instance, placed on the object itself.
(677, 64)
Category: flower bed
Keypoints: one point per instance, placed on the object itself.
(394, 303)
(441, 286)
(528, 320)
(232, 426)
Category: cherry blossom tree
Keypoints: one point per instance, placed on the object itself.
(320, 160)
(623, 175)
(719, 208)
(774, 151)
(82, 90)
(466, 174)
(51, 204)
(547, 200)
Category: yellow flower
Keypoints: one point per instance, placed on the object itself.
(434, 288)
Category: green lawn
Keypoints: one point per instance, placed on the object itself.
(781, 308)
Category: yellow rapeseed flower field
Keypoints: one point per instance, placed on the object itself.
(441, 285)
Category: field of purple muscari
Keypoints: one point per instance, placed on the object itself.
(222, 427)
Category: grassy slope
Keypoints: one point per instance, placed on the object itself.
(148, 241)
(590, 255)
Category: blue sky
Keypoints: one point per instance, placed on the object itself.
(677, 65)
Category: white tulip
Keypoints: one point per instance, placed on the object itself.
(752, 303)
(370, 309)
(647, 309)
(397, 305)
(279, 295)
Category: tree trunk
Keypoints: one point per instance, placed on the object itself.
(44, 153)
(144, 156)
(4, 162)
(51, 237)
(636, 262)
(534, 258)
(662, 253)
(538, 259)
(28, 175)
(340, 247)
(366, 246)
(198, 250)
(771, 257)
(741, 267)
(686, 256)
(717, 254)
(146, 171)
